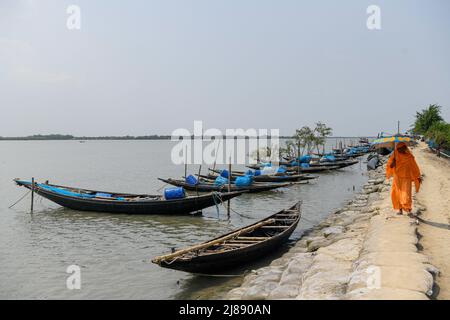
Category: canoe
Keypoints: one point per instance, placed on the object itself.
(295, 168)
(307, 170)
(204, 186)
(211, 178)
(267, 178)
(340, 164)
(236, 248)
(114, 202)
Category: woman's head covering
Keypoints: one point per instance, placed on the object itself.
(404, 163)
(401, 144)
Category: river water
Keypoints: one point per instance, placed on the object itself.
(114, 251)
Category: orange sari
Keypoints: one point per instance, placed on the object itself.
(405, 172)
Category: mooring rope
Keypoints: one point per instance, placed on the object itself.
(19, 199)
(226, 207)
(216, 195)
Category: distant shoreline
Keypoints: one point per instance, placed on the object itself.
(58, 137)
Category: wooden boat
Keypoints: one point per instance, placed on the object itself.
(236, 248)
(340, 164)
(306, 170)
(113, 202)
(208, 186)
(266, 178)
(211, 178)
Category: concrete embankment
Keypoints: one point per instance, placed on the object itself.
(363, 251)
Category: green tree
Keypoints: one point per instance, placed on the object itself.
(321, 132)
(289, 150)
(304, 140)
(439, 132)
(426, 118)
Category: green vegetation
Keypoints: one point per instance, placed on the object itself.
(426, 118)
(306, 139)
(439, 133)
(430, 124)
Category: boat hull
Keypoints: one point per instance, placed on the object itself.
(212, 264)
(164, 207)
(208, 187)
(216, 262)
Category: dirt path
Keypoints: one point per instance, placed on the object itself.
(435, 227)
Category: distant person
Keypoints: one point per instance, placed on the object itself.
(403, 167)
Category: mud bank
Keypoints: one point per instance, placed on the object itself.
(362, 251)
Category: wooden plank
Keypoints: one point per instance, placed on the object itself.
(274, 227)
(235, 244)
(253, 238)
(286, 215)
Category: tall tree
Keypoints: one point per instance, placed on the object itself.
(304, 140)
(321, 132)
(426, 118)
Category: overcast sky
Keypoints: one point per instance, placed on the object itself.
(143, 67)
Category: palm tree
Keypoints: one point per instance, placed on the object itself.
(426, 118)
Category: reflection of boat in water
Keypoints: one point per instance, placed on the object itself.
(236, 248)
(102, 201)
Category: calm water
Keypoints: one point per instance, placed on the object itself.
(114, 251)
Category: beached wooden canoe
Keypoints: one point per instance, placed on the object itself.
(208, 186)
(236, 248)
(114, 202)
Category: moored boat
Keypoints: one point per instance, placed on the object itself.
(208, 186)
(299, 169)
(236, 248)
(266, 178)
(113, 202)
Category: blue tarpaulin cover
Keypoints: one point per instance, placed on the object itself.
(243, 181)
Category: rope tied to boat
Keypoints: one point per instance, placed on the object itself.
(217, 196)
(21, 198)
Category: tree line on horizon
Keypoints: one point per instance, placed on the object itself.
(71, 137)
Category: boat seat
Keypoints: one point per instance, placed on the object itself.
(274, 227)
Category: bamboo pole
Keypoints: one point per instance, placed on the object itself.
(32, 194)
(185, 161)
(229, 188)
(257, 149)
(210, 243)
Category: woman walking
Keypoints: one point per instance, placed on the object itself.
(403, 168)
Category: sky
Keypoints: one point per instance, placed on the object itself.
(149, 67)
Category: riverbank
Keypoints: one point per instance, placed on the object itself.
(435, 221)
(363, 251)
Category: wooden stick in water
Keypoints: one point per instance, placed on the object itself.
(229, 189)
(185, 161)
(32, 194)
